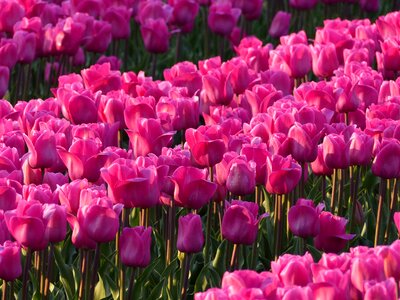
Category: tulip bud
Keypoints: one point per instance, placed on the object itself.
(135, 246)
(280, 24)
(10, 261)
(190, 234)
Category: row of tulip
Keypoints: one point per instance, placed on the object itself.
(96, 156)
(45, 39)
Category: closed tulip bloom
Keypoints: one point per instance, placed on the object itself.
(27, 224)
(10, 261)
(100, 219)
(192, 190)
(4, 233)
(42, 149)
(240, 222)
(135, 246)
(368, 267)
(283, 174)
(101, 78)
(26, 44)
(4, 78)
(119, 18)
(184, 11)
(304, 218)
(293, 269)
(280, 24)
(303, 4)
(370, 5)
(190, 234)
(217, 88)
(8, 53)
(241, 179)
(100, 37)
(332, 236)
(304, 140)
(155, 35)
(360, 149)
(10, 13)
(386, 163)
(318, 166)
(391, 54)
(56, 228)
(336, 151)
(206, 145)
(324, 60)
(222, 18)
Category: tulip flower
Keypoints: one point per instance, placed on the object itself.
(217, 88)
(324, 59)
(135, 246)
(386, 163)
(360, 148)
(4, 234)
(132, 185)
(192, 190)
(240, 222)
(42, 148)
(4, 78)
(10, 261)
(101, 78)
(119, 18)
(222, 17)
(332, 236)
(396, 218)
(10, 13)
(190, 234)
(386, 289)
(56, 228)
(304, 218)
(27, 224)
(335, 151)
(100, 37)
(283, 174)
(303, 4)
(155, 35)
(280, 24)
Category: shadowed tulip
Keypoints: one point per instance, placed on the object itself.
(10, 13)
(190, 234)
(386, 163)
(10, 261)
(304, 218)
(332, 236)
(283, 174)
(222, 18)
(56, 228)
(100, 37)
(280, 24)
(336, 151)
(27, 224)
(135, 246)
(303, 4)
(155, 35)
(4, 78)
(192, 190)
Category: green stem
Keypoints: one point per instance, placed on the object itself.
(94, 271)
(185, 275)
(233, 264)
(393, 209)
(27, 267)
(333, 190)
(49, 271)
(4, 296)
(382, 195)
(131, 283)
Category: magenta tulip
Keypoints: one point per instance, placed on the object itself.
(336, 151)
(4, 78)
(100, 37)
(283, 174)
(293, 269)
(280, 24)
(240, 222)
(135, 246)
(101, 78)
(222, 17)
(56, 228)
(324, 59)
(192, 190)
(27, 224)
(304, 218)
(190, 234)
(332, 236)
(155, 35)
(42, 148)
(10, 261)
(206, 145)
(119, 18)
(386, 163)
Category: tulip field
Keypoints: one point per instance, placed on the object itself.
(197, 149)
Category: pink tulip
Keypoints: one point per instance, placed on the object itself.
(240, 222)
(4, 78)
(184, 74)
(42, 148)
(217, 88)
(332, 236)
(325, 60)
(212, 294)
(303, 4)
(132, 185)
(335, 151)
(190, 234)
(10, 261)
(304, 140)
(304, 218)
(8, 54)
(396, 218)
(10, 13)
(4, 233)
(360, 149)
(293, 269)
(366, 268)
(26, 46)
(99, 219)
(222, 17)
(27, 224)
(251, 10)
(111, 108)
(119, 18)
(192, 190)
(280, 24)
(183, 112)
(155, 35)
(319, 166)
(79, 238)
(101, 78)
(156, 9)
(257, 152)
(283, 174)
(149, 137)
(135, 246)
(69, 34)
(114, 61)
(206, 145)
(184, 11)
(100, 37)
(56, 218)
(386, 163)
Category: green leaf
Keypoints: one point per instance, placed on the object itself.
(156, 292)
(219, 262)
(66, 275)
